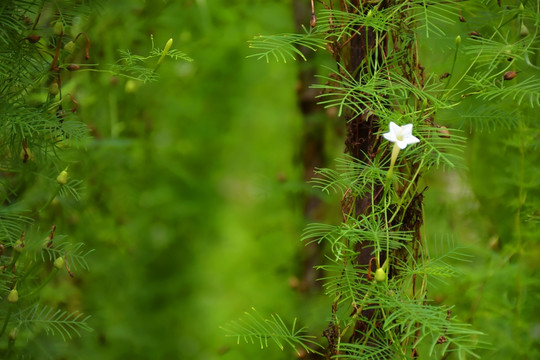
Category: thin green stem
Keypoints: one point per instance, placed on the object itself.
(6, 320)
(51, 198)
(355, 315)
(517, 224)
(407, 190)
(453, 64)
(42, 285)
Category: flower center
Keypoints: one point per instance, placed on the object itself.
(399, 136)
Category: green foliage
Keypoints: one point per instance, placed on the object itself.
(259, 329)
(35, 132)
(169, 188)
(54, 322)
(135, 66)
(42, 138)
(285, 46)
(492, 84)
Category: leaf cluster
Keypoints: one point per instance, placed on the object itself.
(492, 83)
(53, 321)
(39, 130)
(257, 329)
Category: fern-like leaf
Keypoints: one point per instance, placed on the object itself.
(285, 46)
(74, 253)
(432, 16)
(434, 324)
(376, 349)
(257, 329)
(54, 322)
(488, 117)
(342, 281)
(12, 224)
(438, 149)
(526, 90)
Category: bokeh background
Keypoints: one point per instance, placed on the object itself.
(195, 194)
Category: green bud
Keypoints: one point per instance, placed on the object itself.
(26, 155)
(521, 8)
(164, 52)
(13, 334)
(53, 89)
(18, 246)
(369, 14)
(168, 46)
(13, 296)
(58, 28)
(59, 263)
(70, 47)
(62, 177)
(524, 30)
(458, 41)
(380, 275)
(131, 86)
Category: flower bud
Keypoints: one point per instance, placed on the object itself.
(380, 275)
(59, 263)
(524, 31)
(70, 47)
(13, 296)
(369, 14)
(131, 86)
(18, 246)
(457, 41)
(53, 89)
(521, 7)
(58, 28)
(62, 177)
(165, 51)
(12, 336)
(26, 154)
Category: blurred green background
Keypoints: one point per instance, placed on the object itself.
(195, 191)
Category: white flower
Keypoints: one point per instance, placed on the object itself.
(401, 135)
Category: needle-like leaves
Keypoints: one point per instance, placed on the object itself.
(257, 329)
(285, 46)
(54, 322)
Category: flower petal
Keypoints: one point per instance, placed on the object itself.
(401, 144)
(406, 130)
(394, 128)
(390, 136)
(411, 139)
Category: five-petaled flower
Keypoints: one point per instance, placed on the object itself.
(401, 135)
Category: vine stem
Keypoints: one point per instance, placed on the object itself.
(51, 198)
(521, 200)
(407, 190)
(6, 320)
(42, 285)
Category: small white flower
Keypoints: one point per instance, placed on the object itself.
(401, 135)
